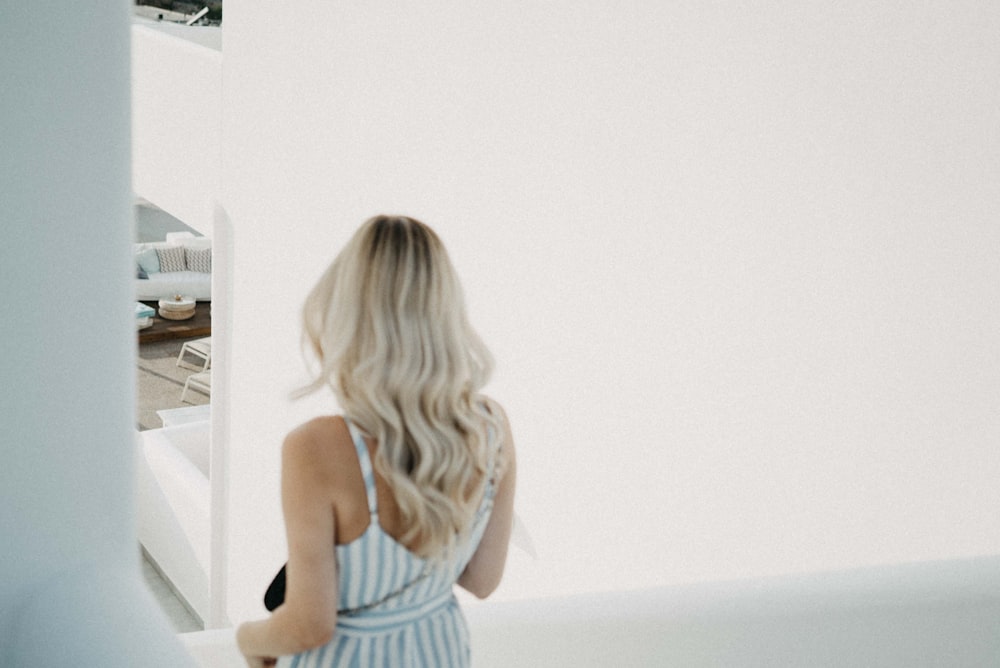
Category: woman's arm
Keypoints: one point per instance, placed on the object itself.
(484, 571)
(308, 616)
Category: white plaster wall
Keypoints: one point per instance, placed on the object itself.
(176, 103)
(736, 264)
(71, 592)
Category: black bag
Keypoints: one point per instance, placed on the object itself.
(275, 594)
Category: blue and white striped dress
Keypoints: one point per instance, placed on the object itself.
(420, 627)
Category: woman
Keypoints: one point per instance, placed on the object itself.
(407, 493)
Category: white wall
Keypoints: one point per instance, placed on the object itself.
(735, 264)
(71, 592)
(176, 98)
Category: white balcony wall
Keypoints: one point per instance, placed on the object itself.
(736, 264)
(71, 593)
(177, 115)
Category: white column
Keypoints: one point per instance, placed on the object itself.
(71, 592)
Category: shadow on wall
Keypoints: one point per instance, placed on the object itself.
(153, 224)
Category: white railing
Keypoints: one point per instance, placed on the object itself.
(933, 614)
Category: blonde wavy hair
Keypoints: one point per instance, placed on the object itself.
(387, 326)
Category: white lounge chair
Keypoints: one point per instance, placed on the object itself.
(201, 381)
(199, 348)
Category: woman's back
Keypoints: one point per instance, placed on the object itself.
(395, 608)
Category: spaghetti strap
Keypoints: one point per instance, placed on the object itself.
(496, 447)
(367, 472)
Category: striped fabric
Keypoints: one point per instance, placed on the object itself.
(171, 258)
(198, 259)
(420, 625)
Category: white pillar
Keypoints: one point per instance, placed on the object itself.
(71, 592)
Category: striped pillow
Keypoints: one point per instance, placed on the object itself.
(171, 258)
(199, 259)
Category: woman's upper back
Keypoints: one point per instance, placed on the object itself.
(377, 571)
(344, 463)
(338, 455)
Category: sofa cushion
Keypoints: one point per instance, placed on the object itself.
(198, 259)
(148, 260)
(197, 243)
(178, 238)
(165, 285)
(171, 258)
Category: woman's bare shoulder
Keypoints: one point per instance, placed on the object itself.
(322, 442)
